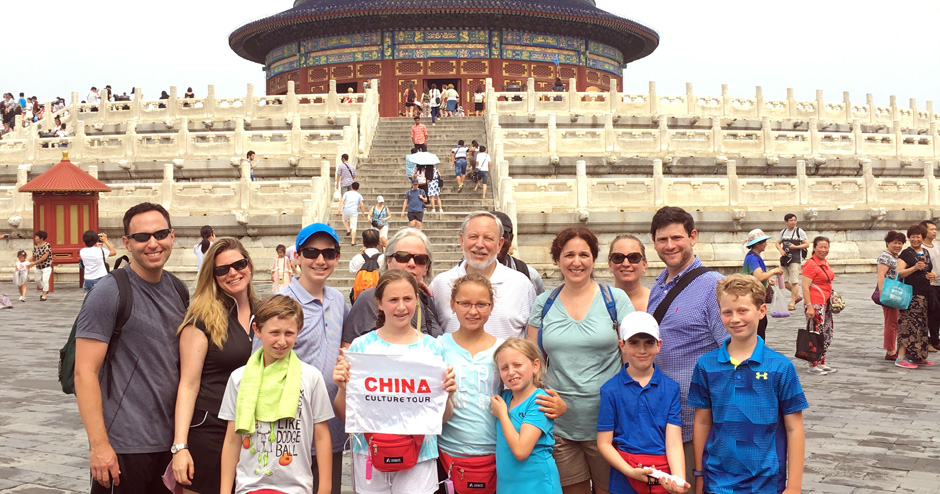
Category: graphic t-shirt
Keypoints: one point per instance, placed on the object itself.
(471, 430)
(277, 455)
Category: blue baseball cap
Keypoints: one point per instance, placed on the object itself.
(312, 229)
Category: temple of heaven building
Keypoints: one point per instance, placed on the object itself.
(425, 42)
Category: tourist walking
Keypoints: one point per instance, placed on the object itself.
(435, 103)
(626, 259)
(576, 327)
(282, 270)
(434, 190)
(478, 101)
(345, 174)
(379, 220)
(250, 160)
(754, 265)
(915, 266)
(350, 207)
(207, 235)
(451, 95)
(415, 199)
(458, 159)
(42, 261)
(419, 135)
(887, 268)
(214, 340)
(482, 170)
(410, 96)
(817, 297)
(792, 244)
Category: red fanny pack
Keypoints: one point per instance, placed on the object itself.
(646, 461)
(393, 452)
(474, 475)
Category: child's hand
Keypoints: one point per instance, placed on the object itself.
(498, 406)
(640, 474)
(450, 380)
(674, 488)
(341, 371)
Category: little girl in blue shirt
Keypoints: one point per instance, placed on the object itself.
(524, 435)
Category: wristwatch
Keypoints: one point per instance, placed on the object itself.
(698, 473)
(176, 448)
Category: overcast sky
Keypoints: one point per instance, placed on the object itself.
(58, 46)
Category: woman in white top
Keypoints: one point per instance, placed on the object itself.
(208, 237)
(482, 170)
(94, 258)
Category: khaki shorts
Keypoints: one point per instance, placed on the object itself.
(792, 273)
(578, 461)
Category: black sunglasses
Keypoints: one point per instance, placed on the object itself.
(223, 269)
(143, 237)
(313, 253)
(404, 257)
(633, 257)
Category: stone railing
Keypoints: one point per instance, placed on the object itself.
(729, 192)
(241, 198)
(530, 102)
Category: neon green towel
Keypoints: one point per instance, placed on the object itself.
(267, 394)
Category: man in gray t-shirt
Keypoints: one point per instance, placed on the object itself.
(790, 244)
(130, 429)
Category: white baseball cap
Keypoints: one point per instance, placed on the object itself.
(379, 199)
(638, 322)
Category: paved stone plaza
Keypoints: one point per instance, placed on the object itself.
(871, 427)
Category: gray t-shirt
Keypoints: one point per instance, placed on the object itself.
(796, 236)
(934, 253)
(139, 413)
(365, 312)
(276, 454)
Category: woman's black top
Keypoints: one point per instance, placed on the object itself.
(918, 279)
(220, 362)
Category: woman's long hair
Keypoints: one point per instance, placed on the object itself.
(529, 351)
(205, 232)
(391, 276)
(210, 305)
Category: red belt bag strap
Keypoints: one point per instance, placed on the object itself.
(645, 461)
(393, 452)
(474, 475)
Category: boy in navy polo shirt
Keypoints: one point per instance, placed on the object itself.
(638, 424)
(748, 432)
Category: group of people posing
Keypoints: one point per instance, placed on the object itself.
(549, 391)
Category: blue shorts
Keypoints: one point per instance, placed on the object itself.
(89, 284)
(483, 176)
(460, 167)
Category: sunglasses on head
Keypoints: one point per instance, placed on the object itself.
(223, 269)
(313, 253)
(404, 257)
(633, 257)
(143, 237)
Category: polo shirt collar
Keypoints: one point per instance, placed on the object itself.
(626, 378)
(497, 278)
(301, 294)
(757, 355)
(661, 279)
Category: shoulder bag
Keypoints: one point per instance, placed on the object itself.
(683, 282)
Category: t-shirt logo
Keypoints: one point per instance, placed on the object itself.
(761, 375)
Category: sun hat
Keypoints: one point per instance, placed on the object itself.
(755, 236)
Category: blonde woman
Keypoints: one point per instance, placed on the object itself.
(214, 340)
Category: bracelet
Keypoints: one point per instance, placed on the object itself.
(698, 473)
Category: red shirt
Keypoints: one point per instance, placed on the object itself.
(817, 270)
(419, 133)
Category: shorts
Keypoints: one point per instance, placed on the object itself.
(460, 167)
(89, 284)
(352, 219)
(206, 435)
(409, 105)
(416, 216)
(792, 273)
(20, 277)
(483, 176)
(42, 278)
(419, 479)
(478, 106)
(578, 461)
(383, 232)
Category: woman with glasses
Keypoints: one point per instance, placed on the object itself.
(408, 250)
(214, 340)
(626, 258)
(575, 326)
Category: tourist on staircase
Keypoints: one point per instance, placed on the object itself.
(458, 159)
(482, 170)
(435, 103)
(415, 200)
(434, 190)
(351, 206)
(409, 96)
(345, 174)
(379, 219)
(419, 135)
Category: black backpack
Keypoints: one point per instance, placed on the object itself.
(66, 372)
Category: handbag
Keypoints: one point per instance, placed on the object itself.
(876, 296)
(769, 295)
(895, 293)
(642, 461)
(393, 452)
(474, 475)
(809, 343)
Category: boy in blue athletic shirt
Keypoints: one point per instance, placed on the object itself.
(748, 430)
(638, 423)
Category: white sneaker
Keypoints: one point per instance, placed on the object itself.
(817, 371)
(22, 298)
(828, 369)
(442, 210)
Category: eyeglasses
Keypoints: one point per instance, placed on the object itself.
(481, 306)
(313, 253)
(224, 269)
(143, 237)
(633, 257)
(404, 257)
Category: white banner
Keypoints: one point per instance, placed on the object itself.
(395, 394)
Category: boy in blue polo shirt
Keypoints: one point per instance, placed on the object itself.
(638, 424)
(748, 432)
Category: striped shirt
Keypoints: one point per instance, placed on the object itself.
(691, 328)
(510, 314)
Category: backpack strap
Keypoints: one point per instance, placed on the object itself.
(683, 282)
(521, 267)
(545, 308)
(611, 306)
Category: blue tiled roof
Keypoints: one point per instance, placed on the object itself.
(310, 18)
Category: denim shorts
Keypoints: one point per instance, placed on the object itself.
(460, 167)
(89, 284)
(484, 176)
